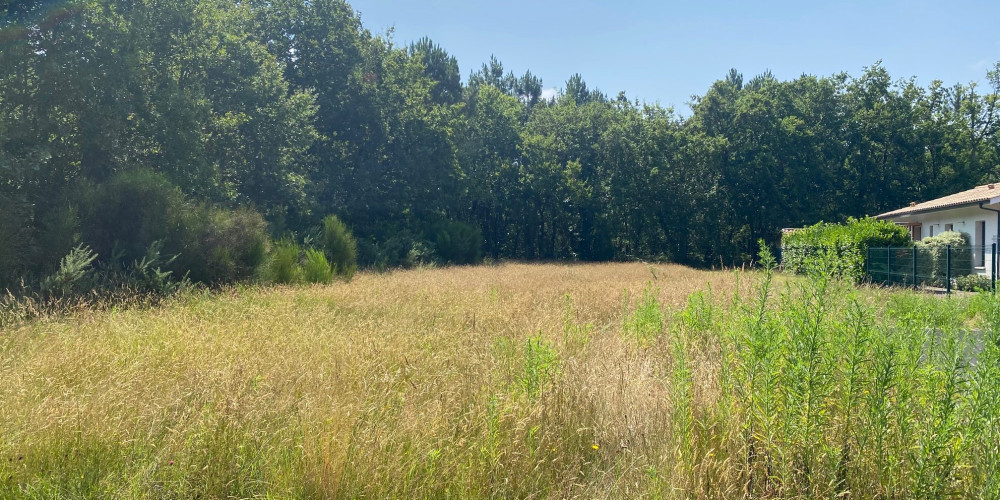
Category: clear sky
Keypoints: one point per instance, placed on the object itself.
(667, 51)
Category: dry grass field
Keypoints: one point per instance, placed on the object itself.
(510, 381)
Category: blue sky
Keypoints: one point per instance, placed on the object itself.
(666, 51)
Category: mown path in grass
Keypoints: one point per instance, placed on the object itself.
(611, 380)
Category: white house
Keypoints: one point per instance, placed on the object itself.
(975, 212)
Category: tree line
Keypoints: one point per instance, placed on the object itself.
(292, 109)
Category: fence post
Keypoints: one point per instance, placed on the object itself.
(993, 268)
(947, 287)
(914, 266)
(868, 259)
(888, 265)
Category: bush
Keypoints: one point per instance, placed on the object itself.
(339, 246)
(73, 268)
(283, 264)
(316, 268)
(123, 218)
(403, 248)
(974, 283)
(458, 242)
(224, 245)
(645, 323)
(839, 249)
(933, 261)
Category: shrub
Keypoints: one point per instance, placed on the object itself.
(421, 254)
(974, 283)
(839, 249)
(148, 276)
(73, 268)
(932, 263)
(123, 218)
(283, 264)
(458, 242)
(58, 233)
(224, 245)
(316, 268)
(339, 246)
(403, 248)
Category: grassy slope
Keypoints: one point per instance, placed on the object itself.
(513, 381)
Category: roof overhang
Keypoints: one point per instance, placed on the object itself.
(908, 213)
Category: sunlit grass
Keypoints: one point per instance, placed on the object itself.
(506, 381)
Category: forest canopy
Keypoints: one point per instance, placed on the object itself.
(292, 110)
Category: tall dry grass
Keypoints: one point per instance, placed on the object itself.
(513, 381)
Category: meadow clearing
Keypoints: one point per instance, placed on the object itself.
(510, 381)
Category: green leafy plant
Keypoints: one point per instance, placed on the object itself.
(316, 269)
(932, 259)
(974, 283)
(339, 245)
(644, 323)
(458, 242)
(283, 265)
(541, 364)
(73, 268)
(839, 250)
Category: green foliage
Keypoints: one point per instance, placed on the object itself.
(974, 283)
(223, 246)
(15, 236)
(125, 216)
(541, 365)
(316, 269)
(283, 264)
(339, 245)
(73, 269)
(644, 323)
(296, 109)
(399, 249)
(932, 260)
(839, 249)
(458, 242)
(147, 276)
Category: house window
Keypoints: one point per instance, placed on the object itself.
(979, 245)
(915, 233)
(931, 230)
(949, 227)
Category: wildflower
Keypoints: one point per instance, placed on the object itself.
(596, 447)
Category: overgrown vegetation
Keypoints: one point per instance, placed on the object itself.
(191, 121)
(839, 249)
(137, 233)
(514, 380)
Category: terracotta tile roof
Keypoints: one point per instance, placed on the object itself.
(973, 196)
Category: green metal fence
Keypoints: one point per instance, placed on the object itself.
(947, 267)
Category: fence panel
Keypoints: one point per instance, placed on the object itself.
(936, 267)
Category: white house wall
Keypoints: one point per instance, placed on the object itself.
(964, 221)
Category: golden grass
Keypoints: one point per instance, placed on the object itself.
(411, 384)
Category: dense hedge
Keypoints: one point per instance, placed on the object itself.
(839, 249)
